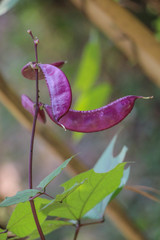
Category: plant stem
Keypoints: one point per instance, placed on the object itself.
(77, 231)
(79, 225)
(32, 142)
(92, 223)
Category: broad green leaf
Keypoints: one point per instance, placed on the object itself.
(53, 174)
(48, 226)
(6, 5)
(107, 162)
(22, 222)
(90, 64)
(95, 188)
(20, 197)
(3, 236)
(58, 202)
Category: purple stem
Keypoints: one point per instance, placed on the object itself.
(79, 225)
(77, 230)
(32, 143)
(48, 195)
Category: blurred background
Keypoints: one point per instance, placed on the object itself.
(98, 73)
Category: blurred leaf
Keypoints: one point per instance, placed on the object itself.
(89, 70)
(90, 64)
(106, 163)
(3, 236)
(96, 187)
(48, 226)
(156, 25)
(21, 196)
(6, 5)
(52, 175)
(22, 222)
(93, 98)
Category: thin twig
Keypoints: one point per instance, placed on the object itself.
(145, 194)
(48, 195)
(91, 223)
(79, 225)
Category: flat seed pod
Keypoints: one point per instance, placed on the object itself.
(29, 105)
(28, 71)
(59, 90)
(98, 119)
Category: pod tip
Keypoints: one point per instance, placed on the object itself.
(150, 97)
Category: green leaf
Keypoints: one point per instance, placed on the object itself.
(43, 184)
(90, 64)
(21, 196)
(6, 5)
(22, 222)
(107, 162)
(95, 188)
(3, 236)
(94, 98)
(48, 226)
(58, 201)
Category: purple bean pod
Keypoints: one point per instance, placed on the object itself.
(59, 90)
(29, 105)
(61, 97)
(98, 119)
(28, 71)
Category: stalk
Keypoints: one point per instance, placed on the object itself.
(32, 142)
(77, 231)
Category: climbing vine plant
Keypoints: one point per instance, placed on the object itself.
(85, 196)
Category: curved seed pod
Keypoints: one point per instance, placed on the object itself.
(28, 71)
(59, 90)
(98, 119)
(29, 105)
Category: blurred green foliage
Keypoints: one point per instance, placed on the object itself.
(90, 94)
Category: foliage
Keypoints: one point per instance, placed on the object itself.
(90, 95)
(79, 199)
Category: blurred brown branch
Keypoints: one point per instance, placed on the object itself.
(135, 40)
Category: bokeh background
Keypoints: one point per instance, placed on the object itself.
(64, 34)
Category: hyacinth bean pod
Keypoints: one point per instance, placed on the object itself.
(28, 71)
(98, 119)
(61, 97)
(29, 105)
(59, 90)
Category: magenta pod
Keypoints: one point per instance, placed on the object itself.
(59, 90)
(29, 105)
(98, 119)
(28, 71)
